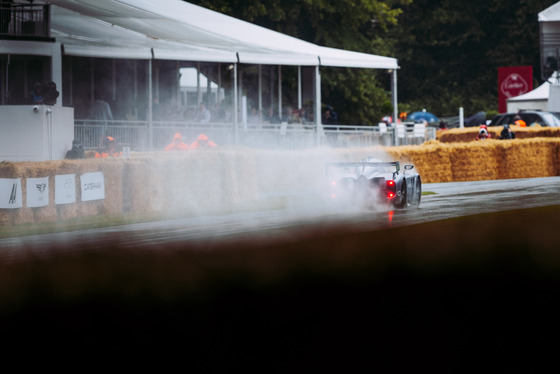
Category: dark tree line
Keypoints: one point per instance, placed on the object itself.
(448, 50)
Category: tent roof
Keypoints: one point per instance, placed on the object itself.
(539, 93)
(175, 29)
(90, 37)
(550, 14)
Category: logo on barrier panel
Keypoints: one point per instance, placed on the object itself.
(65, 189)
(93, 186)
(10, 193)
(37, 192)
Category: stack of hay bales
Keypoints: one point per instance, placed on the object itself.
(468, 134)
(223, 179)
(530, 158)
(205, 181)
(112, 204)
(431, 159)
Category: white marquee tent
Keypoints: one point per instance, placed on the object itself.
(533, 100)
(196, 28)
(177, 30)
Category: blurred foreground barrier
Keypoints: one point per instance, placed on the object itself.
(227, 179)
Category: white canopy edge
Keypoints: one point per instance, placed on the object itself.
(539, 93)
(333, 57)
(272, 59)
(106, 52)
(550, 14)
(86, 36)
(161, 53)
(18, 47)
(190, 27)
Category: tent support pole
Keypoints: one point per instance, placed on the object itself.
(178, 87)
(260, 89)
(318, 120)
(271, 78)
(299, 100)
(92, 82)
(394, 96)
(208, 87)
(280, 91)
(114, 80)
(135, 89)
(235, 105)
(150, 108)
(56, 70)
(70, 73)
(218, 97)
(198, 91)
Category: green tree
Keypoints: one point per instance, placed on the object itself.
(359, 95)
(449, 50)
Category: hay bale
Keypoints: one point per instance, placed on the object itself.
(468, 134)
(475, 161)
(530, 158)
(223, 179)
(432, 160)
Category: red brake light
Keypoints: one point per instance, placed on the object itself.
(391, 189)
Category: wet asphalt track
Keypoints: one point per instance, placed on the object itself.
(304, 216)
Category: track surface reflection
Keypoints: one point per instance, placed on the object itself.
(448, 200)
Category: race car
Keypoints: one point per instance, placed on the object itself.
(372, 182)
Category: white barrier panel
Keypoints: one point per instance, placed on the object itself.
(65, 189)
(93, 186)
(10, 193)
(37, 192)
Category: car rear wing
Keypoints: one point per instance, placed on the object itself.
(363, 164)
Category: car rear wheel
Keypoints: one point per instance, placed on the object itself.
(400, 204)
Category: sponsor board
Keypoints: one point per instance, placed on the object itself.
(513, 81)
(65, 189)
(37, 192)
(93, 186)
(10, 193)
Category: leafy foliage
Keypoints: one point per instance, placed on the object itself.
(448, 50)
(358, 95)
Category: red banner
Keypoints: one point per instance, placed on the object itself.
(513, 81)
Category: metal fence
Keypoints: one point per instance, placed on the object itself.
(25, 20)
(140, 136)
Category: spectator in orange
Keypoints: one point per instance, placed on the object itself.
(109, 149)
(177, 144)
(203, 142)
(518, 121)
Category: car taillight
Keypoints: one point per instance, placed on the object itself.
(391, 189)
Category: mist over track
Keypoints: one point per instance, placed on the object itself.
(302, 216)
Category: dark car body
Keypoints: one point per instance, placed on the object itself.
(371, 182)
(531, 118)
